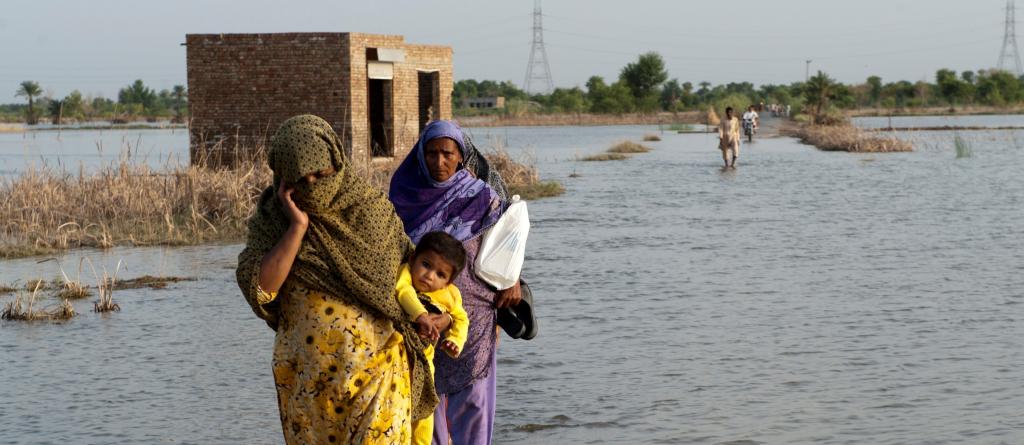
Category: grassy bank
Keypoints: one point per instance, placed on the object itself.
(583, 119)
(45, 210)
(845, 137)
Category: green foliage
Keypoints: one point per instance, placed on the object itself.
(738, 102)
(645, 76)
(615, 98)
(29, 90)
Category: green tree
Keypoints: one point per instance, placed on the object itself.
(951, 87)
(137, 93)
(874, 89)
(672, 95)
(819, 90)
(645, 76)
(30, 90)
(614, 98)
(568, 100)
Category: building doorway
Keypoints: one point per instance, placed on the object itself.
(381, 116)
(429, 97)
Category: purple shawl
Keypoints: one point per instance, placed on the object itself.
(463, 206)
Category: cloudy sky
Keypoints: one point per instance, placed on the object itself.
(98, 46)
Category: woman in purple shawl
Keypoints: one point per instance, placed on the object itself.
(433, 190)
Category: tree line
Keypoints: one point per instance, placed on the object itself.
(644, 87)
(136, 101)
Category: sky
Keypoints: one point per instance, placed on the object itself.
(100, 46)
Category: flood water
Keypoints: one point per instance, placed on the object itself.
(804, 297)
(1002, 120)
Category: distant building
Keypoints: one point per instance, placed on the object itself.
(484, 102)
(377, 91)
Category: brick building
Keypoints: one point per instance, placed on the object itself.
(377, 91)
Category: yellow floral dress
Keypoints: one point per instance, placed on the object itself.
(342, 375)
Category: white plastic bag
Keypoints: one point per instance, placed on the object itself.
(503, 247)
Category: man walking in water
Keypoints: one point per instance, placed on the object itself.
(729, 138)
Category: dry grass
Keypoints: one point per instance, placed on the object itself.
(651, 137)
(23, 308)
(106, 289)
(628, 147)
(71, 288)
(846, 137)
(4, 289)
(45, 210)
(521, 175)
(605, 157)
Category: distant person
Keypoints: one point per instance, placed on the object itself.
(751, 118)
(729, 138)
(426, 286)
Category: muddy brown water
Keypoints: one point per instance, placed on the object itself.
(804, 297)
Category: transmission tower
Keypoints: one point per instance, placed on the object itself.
(538, 73)
(1010, 53)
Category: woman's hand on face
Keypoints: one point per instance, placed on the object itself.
(509, 297)
(295, 215)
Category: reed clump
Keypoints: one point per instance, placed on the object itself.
(23, 308)
(71, 288)
(846, 137)
(521, 175)
(106, 290)
(629, 147)
(605, 157)
(651, 137)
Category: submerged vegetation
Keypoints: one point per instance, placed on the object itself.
(629, 147)
(23, 308)
(963, 148)
(618, 152)
(846, 137)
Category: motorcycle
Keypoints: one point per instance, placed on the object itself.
(748, 129)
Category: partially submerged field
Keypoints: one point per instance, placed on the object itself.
(845, 137)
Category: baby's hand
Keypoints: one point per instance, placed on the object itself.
(426, 329)
(451, 348)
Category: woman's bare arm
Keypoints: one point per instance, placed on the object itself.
(276, 264)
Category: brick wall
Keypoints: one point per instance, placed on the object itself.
(242, 86)
(405, 89)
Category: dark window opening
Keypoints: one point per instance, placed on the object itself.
(381, 116)
(429, 98)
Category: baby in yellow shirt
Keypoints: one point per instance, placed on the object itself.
(425, 286)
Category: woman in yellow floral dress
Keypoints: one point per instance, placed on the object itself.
(320, 265)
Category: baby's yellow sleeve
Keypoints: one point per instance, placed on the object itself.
(459, 329)
(407, 295)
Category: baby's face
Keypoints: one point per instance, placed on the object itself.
(430, 272)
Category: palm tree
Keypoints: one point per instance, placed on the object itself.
(179, 94)
(30, 90)
(818, 91)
